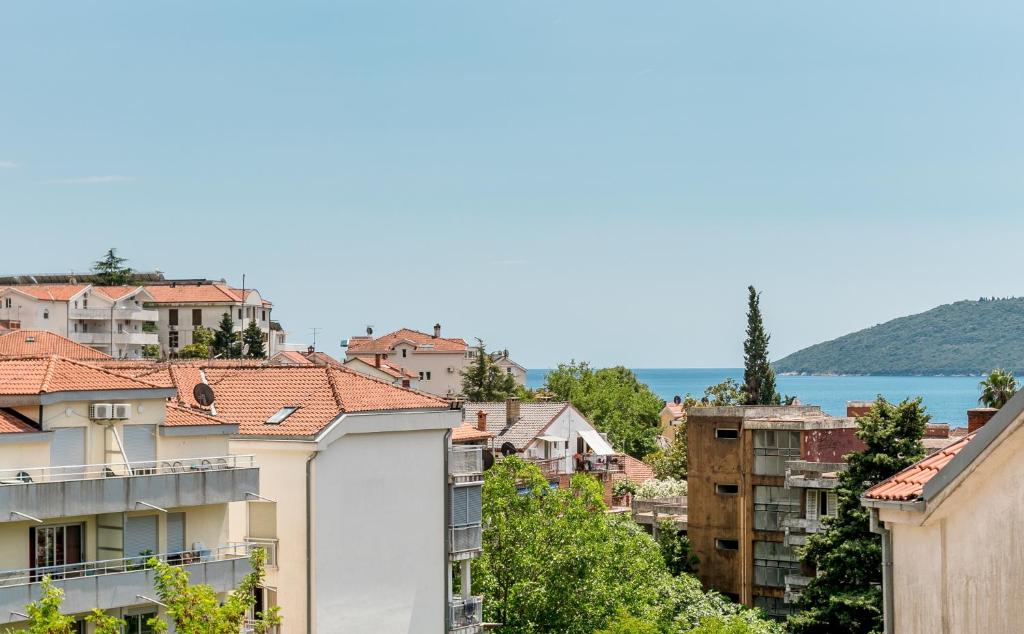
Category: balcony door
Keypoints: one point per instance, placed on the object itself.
(53, 548)
(67, 450)
(140, 536)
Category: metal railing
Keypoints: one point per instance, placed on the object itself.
(269, 545)
(465, 460)
(465, 538)
(197, 555)
(551, 467)
(465, 612)
(104, 314)
(615, 463)
(29, 475)
(101, 337)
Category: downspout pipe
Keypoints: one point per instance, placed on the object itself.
(309, 540)
(878, 527)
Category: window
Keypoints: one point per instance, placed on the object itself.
(172, 339)
(278, 417)
(197, 316)
(508, 370)
(466, 507)
(727, 433)
(172, 317)
(774, 504)
(774, 607)
(76, 303)
(424, 376)
(772, 448)
(239, 314)
(727, 544)
(138, 623)
(46, 313)
(404, 353)
(264, 317)
(7, 302)
(821, 504)
(120, 327)
(55, 546)
(772, 562)
(727, 489)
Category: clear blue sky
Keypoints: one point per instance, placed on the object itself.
(598, 180)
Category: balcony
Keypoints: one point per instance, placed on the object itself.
(464, 542)
(651, 512)
(117, 583)
(465, 615)
(268, 545)
(53, 492)
(465, 464)
(802, 523)
(615, 463)
(120, 338)
(105, 314)
(794, 586)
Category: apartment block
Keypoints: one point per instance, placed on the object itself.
(743, 512)
(98, 472)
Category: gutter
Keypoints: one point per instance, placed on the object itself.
(878, 527)
(309, 541)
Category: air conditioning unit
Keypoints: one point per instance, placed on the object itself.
(101, 411)
(122, 410)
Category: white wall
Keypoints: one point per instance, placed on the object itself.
(568, 425)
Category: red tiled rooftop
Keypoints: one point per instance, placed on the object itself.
(51, 292)
(27, 343)
(468, 432)
(909, 483)
(178, 416)
(389, 368)
(423, 342)
(43, 375)
(203, 293)
(12, 423)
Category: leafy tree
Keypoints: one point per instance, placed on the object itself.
(728, 392)
(758, 375)
(151, 351)
(670, 462)
(195, 609)
(998, 388)
(845, 596)
(614, 401)
(202, 340)
(110, 270)
(252, 341)
(44, 616)
(104, 623)
(626, 623)
(675, 549)
(732, 624)
(483, 380)
(225, 339)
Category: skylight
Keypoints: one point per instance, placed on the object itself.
(281, 414)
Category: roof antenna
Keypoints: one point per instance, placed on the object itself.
(315, 331)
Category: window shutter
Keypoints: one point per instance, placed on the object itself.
(140, 443)
(67, 448)
(175, 532)
(140, 535)
(473, 505)
(812, 504)
(460, 506)
(833, 504)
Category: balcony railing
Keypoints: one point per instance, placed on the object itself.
(123, 338)
(465, 460)
(105, 314)
(269, 545)
(465, 539)
(465, 613)
(552, 467)
(28, 475)
(615, 463)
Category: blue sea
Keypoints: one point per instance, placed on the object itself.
(947, 398)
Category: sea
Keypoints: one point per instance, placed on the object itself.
(947, 398)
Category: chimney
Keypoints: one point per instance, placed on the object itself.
(310, 350)
(858, 408)
(512, 410)
(376, 360)
(978, 416)
(936, 430)
(481, 420)
(437, 331)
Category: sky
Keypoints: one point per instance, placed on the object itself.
(566, 179)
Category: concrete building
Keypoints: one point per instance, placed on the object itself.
(739, 504)
(951, 531)
(437, 362)
(364, 503)
(108, 318)
(182, 306)
(97, 473)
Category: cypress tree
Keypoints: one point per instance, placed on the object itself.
(225, 340)
(758, 375)
(252, 340)
(484, 380)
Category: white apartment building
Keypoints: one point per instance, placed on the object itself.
(182, 306)
(98, 472)
(437, 362)
(109, 318)
(365, 505)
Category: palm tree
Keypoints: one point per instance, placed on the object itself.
(998, 388)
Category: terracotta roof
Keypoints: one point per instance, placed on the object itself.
(178, 416)
(909, 483)
(533, 417)
(11, 422)
(293, 357)
(51, 292)
(677, 411)
(467, 432)
(44, 375)
(249, 395)
(202, 293)
(116, 292)
(25, 343)
(423, 342)
(388, 368)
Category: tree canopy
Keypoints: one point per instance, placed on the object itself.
(613, 400)
(758, 375)
(998, 388)
(845, 596)
(111, 270)
(225, 339)
(483, 380)
(252, 341)
(202, 340)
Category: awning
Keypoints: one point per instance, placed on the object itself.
(552, 438)
(599, 445)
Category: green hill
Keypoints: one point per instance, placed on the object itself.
(963, 338)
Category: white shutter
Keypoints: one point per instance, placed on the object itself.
(473, 504)
(67, 448)
(812, 504)
(140, 535)
(140, 443)
(460, 506)
(175, 532)
(833, 504)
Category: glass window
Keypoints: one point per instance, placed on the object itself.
(774, 607)
(138, 623)
(774, 504)
(197, 316)
(772, 448)
(172, 339)
(772, 562)
(172, 317)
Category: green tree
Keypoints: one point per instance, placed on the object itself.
(998, 388)
(626, 623)
(103, 623)
(44, 616)
(202, 340)
(614, 401)
(483, 380)
(732, 624)
(151, 351)
(195, 609)
(225, 339)
(252, 341)
(758, 375)
(845, 597)
(728, 392)
(676, 549)
(110, 270)
(670, 462)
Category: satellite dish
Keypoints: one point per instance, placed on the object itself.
(508, 449)
(488, 460)
(677, 400)
(203, 394)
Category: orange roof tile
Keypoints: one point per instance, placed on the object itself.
(12, 423)
(45, 375)
(423, 342)
(115, 292)
(178, 416)
(468, 432)
(27, 343)
(388, 368)
(186, 293)
(291, 356)
(51, 292)
(909, 483)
